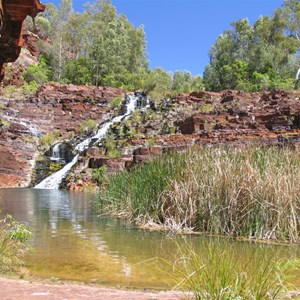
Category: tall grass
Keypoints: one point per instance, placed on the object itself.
(137, 194)
(219, 271)
(251, 192)
(13, 244)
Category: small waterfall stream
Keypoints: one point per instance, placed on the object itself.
(54, 180)
(56, 153)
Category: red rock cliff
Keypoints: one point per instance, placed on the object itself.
(12, 16)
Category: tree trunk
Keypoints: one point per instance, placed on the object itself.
(60, 59)
(297, 79)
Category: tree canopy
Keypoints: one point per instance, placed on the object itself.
(258, 56)
(92, 47)
(101, 47)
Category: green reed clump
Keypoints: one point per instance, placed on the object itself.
(13, 244)
(251, 192)
(136, 194)
(219, 270)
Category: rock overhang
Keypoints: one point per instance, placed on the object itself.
(12, 16)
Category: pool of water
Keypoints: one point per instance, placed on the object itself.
(72, 242)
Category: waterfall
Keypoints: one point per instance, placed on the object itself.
(56, 153)
(55, 179)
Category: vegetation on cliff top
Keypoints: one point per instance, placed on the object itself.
(101, 47)
(98, 47)
(256, 57)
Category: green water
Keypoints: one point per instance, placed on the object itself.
(71, 242)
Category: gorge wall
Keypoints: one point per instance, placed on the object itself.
(201, 118)
(12, 16)
(26, 125)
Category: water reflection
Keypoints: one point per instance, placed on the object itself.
(71, 242)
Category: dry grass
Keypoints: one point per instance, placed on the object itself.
(252, 192)
(13, 244)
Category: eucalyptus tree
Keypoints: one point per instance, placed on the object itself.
(58, 18)
(96, 46)
(185, 82)
(253, 57)
(158, 83)
(291, 14)
(182, 81)
(229, 57)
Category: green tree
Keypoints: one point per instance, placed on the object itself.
(291, 14)
(39, 73)
(182, 81)
(158, 83)
(185, 82)
(251, 57)
(97, 46)
(78, 71)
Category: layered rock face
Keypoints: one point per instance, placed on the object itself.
(203, 118)
(229, 118)
(12, 15)
(17, 154)
(62, 107)
(56, 108)
(245, 113)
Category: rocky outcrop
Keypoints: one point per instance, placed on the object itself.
(18, 150)
(12, 16)
(57, 112)
(29, 55)
(236, 111)
(202, 118)
(63, 108)
(54, 92)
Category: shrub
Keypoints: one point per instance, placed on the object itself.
(39, 73)
(13, 244)
(88, 126)
(206, 108)
(99, 175)
(54, 167)
(30, 88)
(5, 125)
(10, 91)
(111, 147)
(49, 139)
(151, 142)
(114, 153)
(115, 102)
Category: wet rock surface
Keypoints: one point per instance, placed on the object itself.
(57, 112)
(199, 118)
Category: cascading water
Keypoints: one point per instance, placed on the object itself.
(56, 153)
(55, 179)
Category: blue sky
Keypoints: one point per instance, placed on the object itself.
(180, 33)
